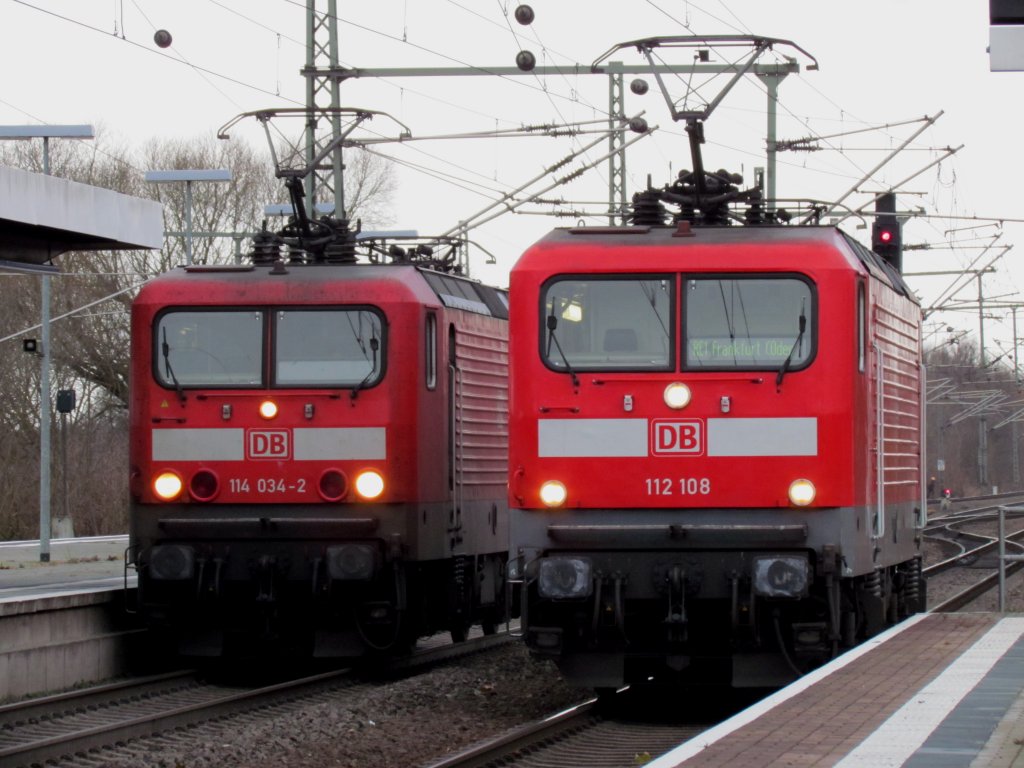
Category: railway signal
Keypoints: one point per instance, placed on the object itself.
(886, 231)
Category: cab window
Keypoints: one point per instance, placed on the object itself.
(328, 347)
(747, 323)
(209, 349)
(608, 323)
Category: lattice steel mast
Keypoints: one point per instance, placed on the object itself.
(327, 180)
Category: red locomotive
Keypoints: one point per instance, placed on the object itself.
(319, 450)
(715, 444)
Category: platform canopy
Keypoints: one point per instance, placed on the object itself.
(43, 216)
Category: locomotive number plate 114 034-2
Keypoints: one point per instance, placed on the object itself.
(266, 485)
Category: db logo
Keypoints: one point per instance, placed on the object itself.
(268, 444)
(671, 438)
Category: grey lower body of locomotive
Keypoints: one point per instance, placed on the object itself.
(314, 581)
(749, 597)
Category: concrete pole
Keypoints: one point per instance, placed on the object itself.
(188, 223)
(1014, 430)
(772, 84)
(982, 422)
(981, 324)
(44, 425)
(44, 401)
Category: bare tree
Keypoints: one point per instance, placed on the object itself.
(369, 187)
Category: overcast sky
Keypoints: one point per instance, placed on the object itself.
(880, 62)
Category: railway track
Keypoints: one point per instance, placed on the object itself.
(584, 735)
(975, 550)
(76, 725)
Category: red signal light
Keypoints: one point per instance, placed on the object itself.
(885, 236)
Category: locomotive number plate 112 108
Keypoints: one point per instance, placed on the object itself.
(678, 486)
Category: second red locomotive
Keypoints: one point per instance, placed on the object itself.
(715, 448)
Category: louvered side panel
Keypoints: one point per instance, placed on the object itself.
(900, 435)
(482, 413)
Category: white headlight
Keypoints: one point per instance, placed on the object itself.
(677, 395)
(801, 492)
(369, 484)
(167, 485)
(553, 493)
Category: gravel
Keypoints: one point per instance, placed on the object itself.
(408, 722)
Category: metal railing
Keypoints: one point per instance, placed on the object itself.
(1004, 558)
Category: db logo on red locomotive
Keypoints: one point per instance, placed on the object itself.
(674, 437)
(268, 444)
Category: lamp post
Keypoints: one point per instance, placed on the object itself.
(188, 176)
(45, 132)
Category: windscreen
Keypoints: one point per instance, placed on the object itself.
(620, 323)
(210, 349)
(747, 323)
(328, 347)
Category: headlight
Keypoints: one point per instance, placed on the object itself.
(369, 484)
(564, 577)
(172, 562)
(801, 492)
(677, 395)
(167, 486)
(553, 493)
(781, 575)
(268, 409)
(352, 562)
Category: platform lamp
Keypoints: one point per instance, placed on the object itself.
(45, 132)
(188, 176)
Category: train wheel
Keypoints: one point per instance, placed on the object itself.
(459, 630)
(490, 619)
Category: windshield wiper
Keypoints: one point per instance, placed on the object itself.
(796, 344)
(165, 350)
(552, 324)
(374, 346)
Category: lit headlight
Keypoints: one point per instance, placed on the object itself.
(172, 562)
(268, 409)
(781, 575)
(564, 577)
(553, 493)
(167, 486)
(801, 492)
(677, 395)
(369, 484)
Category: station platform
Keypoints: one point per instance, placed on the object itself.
(88, 564)
(940, 690)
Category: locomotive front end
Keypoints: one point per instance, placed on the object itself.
(688, 483)
(273, 477)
